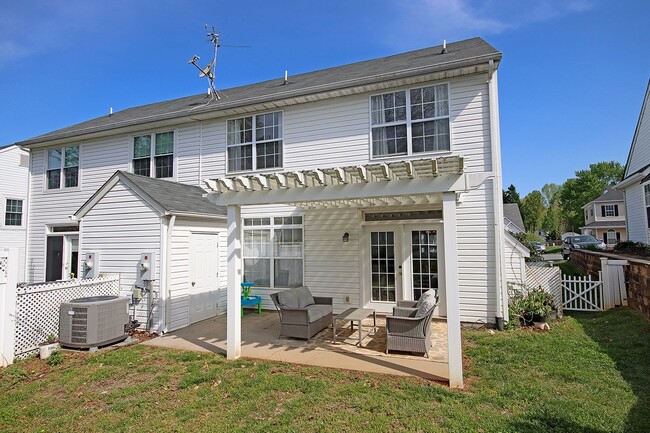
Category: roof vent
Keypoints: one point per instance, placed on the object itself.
(286, 77)
(444, 47)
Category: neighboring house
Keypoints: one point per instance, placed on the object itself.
(636, 180)
(14, 179)
(605, 218)
(512, 220)
(371, 183)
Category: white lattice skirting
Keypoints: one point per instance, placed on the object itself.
(37, 307)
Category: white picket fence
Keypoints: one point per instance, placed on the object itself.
(608, 291)
(30, 313)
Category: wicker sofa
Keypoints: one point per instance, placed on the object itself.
(302, 315)
(409, 328)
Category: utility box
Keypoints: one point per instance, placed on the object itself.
(90, 265)
(146, 269)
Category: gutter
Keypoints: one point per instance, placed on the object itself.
(636, 177)
(168, 273)
(497, 198)
(174, 214)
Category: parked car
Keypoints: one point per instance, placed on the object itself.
(539, 246)
(580, 242)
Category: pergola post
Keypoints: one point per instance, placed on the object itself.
(454, 346)
(234, 282)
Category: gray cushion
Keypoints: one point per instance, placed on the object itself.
(318, 311)
(424, 296)
(427, 304)
(288, 299)
(305, 297)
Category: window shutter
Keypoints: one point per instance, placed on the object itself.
(615, 210)
(618, 236)
(602, 210)
(647, 211)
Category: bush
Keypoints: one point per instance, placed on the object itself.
(55, 358)
(526, 239)
(528, 305)
(631, 247)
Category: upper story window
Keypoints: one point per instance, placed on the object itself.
(609, 210)
(64, 160)
(646, 190)
(255, 142)
(14, 213)
(410, 121)
(154, 150)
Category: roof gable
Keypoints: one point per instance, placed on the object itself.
(512, 213)
(516, 244)
(630, 166)
(166, 197)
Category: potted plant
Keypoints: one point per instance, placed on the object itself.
(539, 305)
(48, 346)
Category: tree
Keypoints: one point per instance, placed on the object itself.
(550, 193)
(511, 195)
(585, 187)
(532, 211)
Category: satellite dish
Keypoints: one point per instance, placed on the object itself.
(207, 71)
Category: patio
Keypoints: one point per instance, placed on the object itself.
(260, 341)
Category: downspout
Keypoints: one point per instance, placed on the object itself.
(168, 272)
(497, 187)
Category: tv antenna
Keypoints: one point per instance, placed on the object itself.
(210, 70)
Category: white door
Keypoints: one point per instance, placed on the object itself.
(384, 257)
(204, 276)
(425, 264)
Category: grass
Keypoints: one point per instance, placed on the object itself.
(590, 374)
(552, 249)
(569, 268)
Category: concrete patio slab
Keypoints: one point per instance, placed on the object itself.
(260, 341)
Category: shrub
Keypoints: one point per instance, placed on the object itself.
(526, 305)
(631, 247)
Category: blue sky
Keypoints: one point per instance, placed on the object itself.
(571, 82)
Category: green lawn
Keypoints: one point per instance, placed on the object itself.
(550, 249)
(590, 374)
(569, 268)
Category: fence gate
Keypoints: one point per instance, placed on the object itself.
(582, 293)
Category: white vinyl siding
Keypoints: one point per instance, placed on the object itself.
(515, 263)
(636, 214)
(120, 227)
(640, 155)
(13, 186)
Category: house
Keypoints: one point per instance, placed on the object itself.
(512, 220)
(370, 183)
(14, 178)
(605, 217)
(636, 179)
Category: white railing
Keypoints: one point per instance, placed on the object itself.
(582, 293)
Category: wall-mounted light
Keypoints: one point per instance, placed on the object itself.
(346, 237)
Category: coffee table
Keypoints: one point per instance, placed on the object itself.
(356, 315)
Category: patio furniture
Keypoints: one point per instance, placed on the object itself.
(356, 315)
(409, 328)
(301, 314)
(251, 300)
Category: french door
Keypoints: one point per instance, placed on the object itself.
(403, 262)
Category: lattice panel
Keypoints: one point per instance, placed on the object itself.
(37, 307)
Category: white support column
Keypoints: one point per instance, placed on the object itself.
(454, 346)
(234, 283)
(8, 308)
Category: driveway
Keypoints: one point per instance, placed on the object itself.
(554, 257)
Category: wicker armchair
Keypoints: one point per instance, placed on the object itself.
(304, 321)
(407, 331)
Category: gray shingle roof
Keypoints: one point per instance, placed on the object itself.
(605, 224)
(459, 54)
(511, 211)
(611, 195)
(175, 197)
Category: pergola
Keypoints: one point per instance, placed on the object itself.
(424, 181)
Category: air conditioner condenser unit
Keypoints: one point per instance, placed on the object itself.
(93, 321)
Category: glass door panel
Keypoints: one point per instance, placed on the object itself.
(424, 261)
(54, 258)
(382, 265)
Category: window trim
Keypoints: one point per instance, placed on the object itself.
(61, 169)
(607, 237)
(613, 210)
(409, 122)
(22, 214)
(272, 257)
(253, 144)
(152, 155)
(646, 204)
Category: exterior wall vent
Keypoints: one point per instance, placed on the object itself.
(93, 322)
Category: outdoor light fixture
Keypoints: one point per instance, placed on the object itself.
(346, 237)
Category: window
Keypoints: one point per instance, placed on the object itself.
(609, 210)
(646, 190)
(255, 148)
(611, 237)
(14, 213)
(155, 150)
(273, 252)
(66, 160)
(408, 122)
